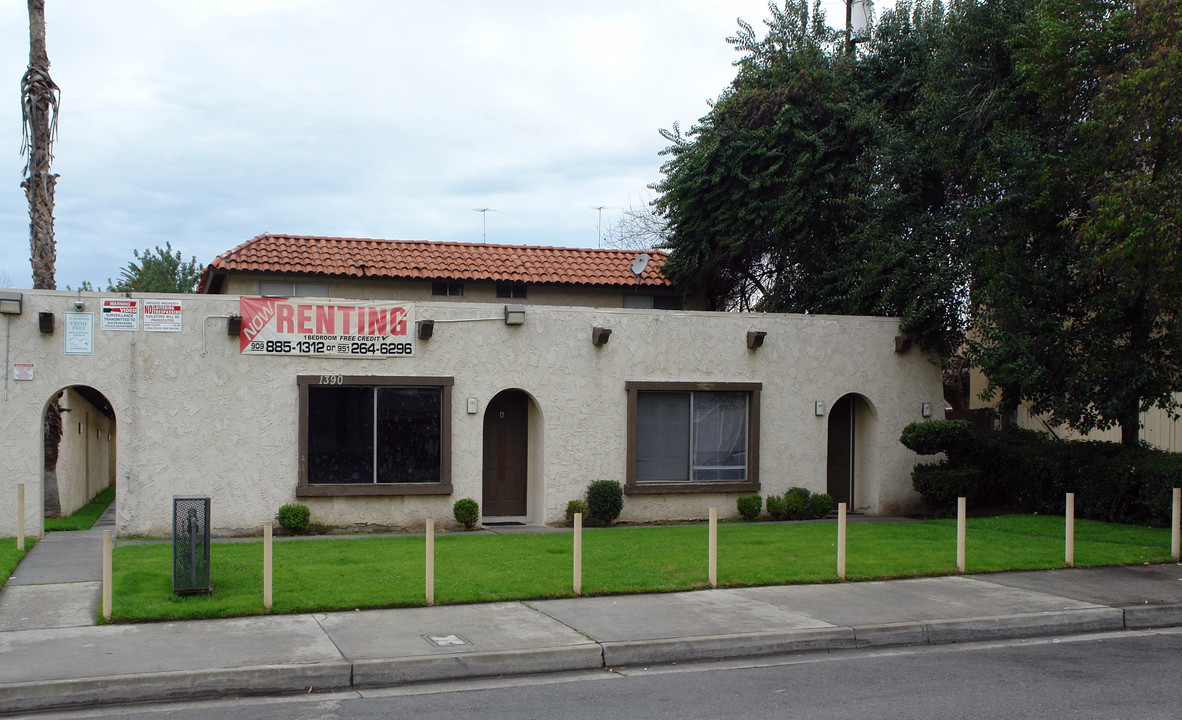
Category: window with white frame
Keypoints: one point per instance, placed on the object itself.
(685, 437)
(374, 435)
(287, 288)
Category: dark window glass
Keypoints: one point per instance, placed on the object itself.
(408, 434)
(662, 436)
(511, 290)
(667, 302)
(451, 289)
(340, 435)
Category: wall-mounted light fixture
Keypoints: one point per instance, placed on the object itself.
(234, 325)
(600, 335)
(424, 329)
(755, 339)
(902, 343)
(45, 322)
(819, 408)
(79, 304)
(10, 303)
(514, 314)
(925, 409)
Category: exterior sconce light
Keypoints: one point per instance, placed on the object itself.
(514, 314)
(234, 325)
(600, 335)
(755, 339)
(819, 408)
(10, 303)
(45, 322)
(902, 343)
(925, 410)
(424, 329)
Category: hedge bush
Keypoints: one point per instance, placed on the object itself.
(605, 501)
(776, 507)
(750, 506)
(821, 504)
(466, 511)
(797, 505)
(294, 517)
(576, 506)
(1028, 471)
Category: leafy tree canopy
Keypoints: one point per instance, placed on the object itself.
(160, 270)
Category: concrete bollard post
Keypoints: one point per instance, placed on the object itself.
(1176, 533)
(713, 547)
(108, 548)
(578, 554)
(267, 566)
(431, 561)
(1069, 541)
(960, 533)
(841, 541)
(20, 516)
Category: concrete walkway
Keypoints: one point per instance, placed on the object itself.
(55, 658)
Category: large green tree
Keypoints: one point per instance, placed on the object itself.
(160, 270)
(1006, 170)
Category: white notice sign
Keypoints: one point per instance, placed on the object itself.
(79, 333)
(120, 314)
(22, 371)
(162, 315)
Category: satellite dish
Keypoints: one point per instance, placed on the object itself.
(639, 264)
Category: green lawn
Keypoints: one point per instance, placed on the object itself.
(10, 556)
(85, 517)
(342, 574)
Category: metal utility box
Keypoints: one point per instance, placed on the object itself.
(190, 544)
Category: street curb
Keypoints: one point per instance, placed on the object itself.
(344, 675)
(174, 685)
(715, 647)
(1140, 617)
(435, 668)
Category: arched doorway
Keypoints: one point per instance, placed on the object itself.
(79, 433)
(506, 455)
(848, 448)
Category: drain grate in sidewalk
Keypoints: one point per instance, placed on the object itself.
(446, 640)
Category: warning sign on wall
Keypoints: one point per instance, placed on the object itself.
(162, 315)
(120, 314)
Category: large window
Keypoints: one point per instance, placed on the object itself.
(374, 435)
(285, 288)
(693, 437)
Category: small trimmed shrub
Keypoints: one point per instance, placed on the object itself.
(605, 501)
(750, 506)
(797, 506)
(822, 504)
(576, 506)
(294, 517)
(776, 507)
(466, 511)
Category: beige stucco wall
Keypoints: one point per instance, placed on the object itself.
(83, 464)
(196, 417)
(474, 292)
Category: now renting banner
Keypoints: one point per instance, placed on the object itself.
(326, 328)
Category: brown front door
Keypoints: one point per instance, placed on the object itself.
(841, 451)
(505, 445)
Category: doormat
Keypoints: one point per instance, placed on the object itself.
(503, 524)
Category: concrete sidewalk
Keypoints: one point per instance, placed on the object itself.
(78, 663)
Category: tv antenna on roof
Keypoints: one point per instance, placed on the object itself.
(484, 221)
(599, 225)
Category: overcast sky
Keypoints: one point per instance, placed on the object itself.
(207, 122)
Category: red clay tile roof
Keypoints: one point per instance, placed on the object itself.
(421, 259)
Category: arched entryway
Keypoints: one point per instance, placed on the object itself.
(848, 449)
(79, 432)
(511, 455)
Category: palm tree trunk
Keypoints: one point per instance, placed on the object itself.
(39, 104)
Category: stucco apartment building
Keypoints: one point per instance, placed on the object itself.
(380, 381)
